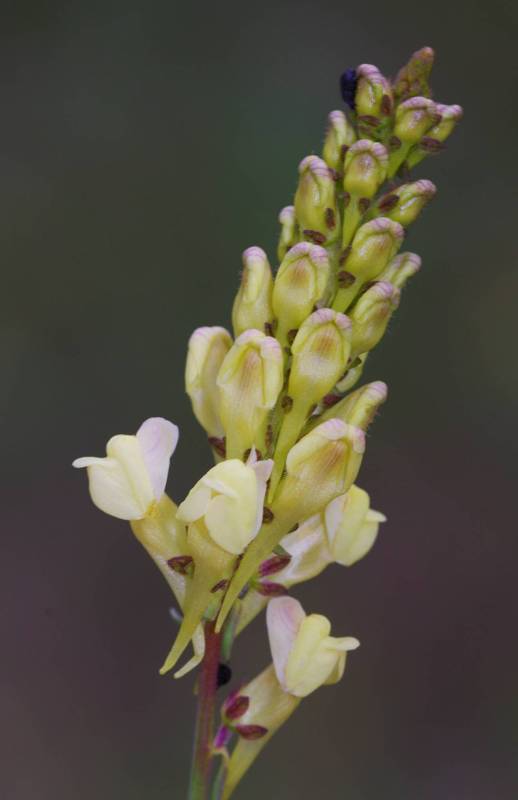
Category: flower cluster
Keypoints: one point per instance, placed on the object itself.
(279, 405)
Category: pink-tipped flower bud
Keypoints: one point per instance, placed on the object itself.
(373, 96)
(375, 243)
(400, 269)
(249, 380)
(340, 135)
(253, 304)
(450, 117)
(288, 235)
(299, 284)
(406, 203)
(365, 168)
(359, 407)
(414, 118)
(315, 201)
(371, 314)
(413, 78)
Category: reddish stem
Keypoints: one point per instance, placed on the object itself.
(204, 731)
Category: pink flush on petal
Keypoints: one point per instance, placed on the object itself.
(158, 439)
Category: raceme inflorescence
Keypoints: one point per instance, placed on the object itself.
(285, 421)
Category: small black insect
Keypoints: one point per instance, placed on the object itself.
(348, 82)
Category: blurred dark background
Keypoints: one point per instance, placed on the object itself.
(143, 146)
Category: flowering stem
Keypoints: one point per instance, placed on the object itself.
(204, 731)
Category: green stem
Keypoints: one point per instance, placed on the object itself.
(204, 731)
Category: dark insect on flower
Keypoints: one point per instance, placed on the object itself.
(348, 82)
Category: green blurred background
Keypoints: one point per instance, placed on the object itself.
(143, 146)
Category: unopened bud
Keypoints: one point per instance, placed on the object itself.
(206, 351)
(253, 304)
(359, 407)
(249, 380)
(414, 118)
(413, 78)
(365, 168)
(400, 269)
(411, 199)
(315, 200)
(320, 353)
(299, 284)
(371, 314)
(288, 236)
(353, 374)
(373, 94)
(339, 136)
(351, 526)
(374, 245)
(437, 135)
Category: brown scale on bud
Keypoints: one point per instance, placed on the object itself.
(330, 218)
(291, 335)
(369, 120)
(219, 585)
(345, 279)
(363, 204)
(267, 515)
(270, 589)
(330, 400)
(394, 143)
(236, 706)
(274, 564)
(388, 202)
(386, 105)
(248, 452)
(268, 328)
(219, 445)
(251, 732)
(314, 236)
(183, 565)
(430, 145)
(287, 403)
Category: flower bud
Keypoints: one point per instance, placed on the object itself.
(373, 246)
(288, 235)
(253, 304)
(353, 374)
(304, 654)
(413, 78)
(206, 351)
(224, 512)
(359, 407)
(400, 269)
(433, 141)
(320, 352)
(299, 284)
(407, 201)
(268, 709)
(373, 98)
(315, 201)
(130, 481)
(351, 526)
(322, 465)
(250, 379)
(414, 118)
(371, 314)
(365, 168)
(340, 135)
